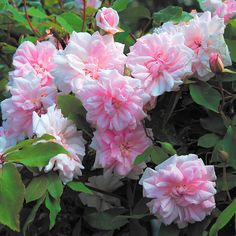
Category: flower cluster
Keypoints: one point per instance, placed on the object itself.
(94, 68)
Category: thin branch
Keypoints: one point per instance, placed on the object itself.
(84, 15)
(35, 31)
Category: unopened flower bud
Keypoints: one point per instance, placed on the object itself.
(223, 155)
(216, 63)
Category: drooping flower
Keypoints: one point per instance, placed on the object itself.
(182, 189)
(115, 102)
(89, 3)
(108, 19)
(117, 150)
(107, 182)
(65, 134)
(84, 57)
(226, 10)
(27, 96)
(160, 62)
(38, 59)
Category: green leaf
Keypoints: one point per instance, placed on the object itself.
(204, 95)
(37, 155)
(37, 12)
(231, 182)
(72, 108)
(143, 157)
(208, 140)
(70, 22)
(168, 148)
(7, 48)
(11, 196)
(120, 5)
(55, 186)
(228, 145)
(17, 15)
(3, 5)
(158, 155)
(232, 49)
(28, 142)
(32, 215)
(53, 205)
(170, 13)
(105, 221)
(36, 188)
(79, 187)
(224, 217)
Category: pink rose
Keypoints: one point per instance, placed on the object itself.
(108, 19)
(182, 189)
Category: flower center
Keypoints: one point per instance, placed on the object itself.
(38, 68)
(125, 149)
(156, 65)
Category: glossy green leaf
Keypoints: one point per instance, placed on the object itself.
(223, 218)
(11, 196)
(37, 155)
(55, 186)
(158, 155)
(206, 96)
(144, 156)
(168, 148)
(79, 187)
(36, 188)
(54, 207)
(28, 142)
(36, 12)
(120, 5)
(208, 140)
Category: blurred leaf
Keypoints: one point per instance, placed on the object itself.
(208, 140)
(11, 196)
(36, 188)
(213, 123)
(36, 12)
(53, 205)
(32, 215)
(158, 155)
(3, 5)
(224, 217)
(7, 48)
(70, 22)
(72, 108)
(105, 221)
(37, 155)
(232, 48)
(55, 186)
(120, 5)
(144, 156)
(17, 15)
(170, 13)
(79, 187)
(168, 148)
(136, 229)
(228, 145)
(27, 38)
(231, 182)
(204, 95)
(50, 3)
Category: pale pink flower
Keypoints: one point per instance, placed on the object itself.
(115, 102)
(182, 189)
(108, 19)
(160, 62)
(226, 10)
(38, 59)
(118, 150)
(83, 58)
(107, 182)
(65, 134)
(27, 96)
(89, 3)
(204, 35)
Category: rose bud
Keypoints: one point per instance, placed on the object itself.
(216, 63)
(107, 19)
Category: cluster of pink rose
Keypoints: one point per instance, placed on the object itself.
(93, 68)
